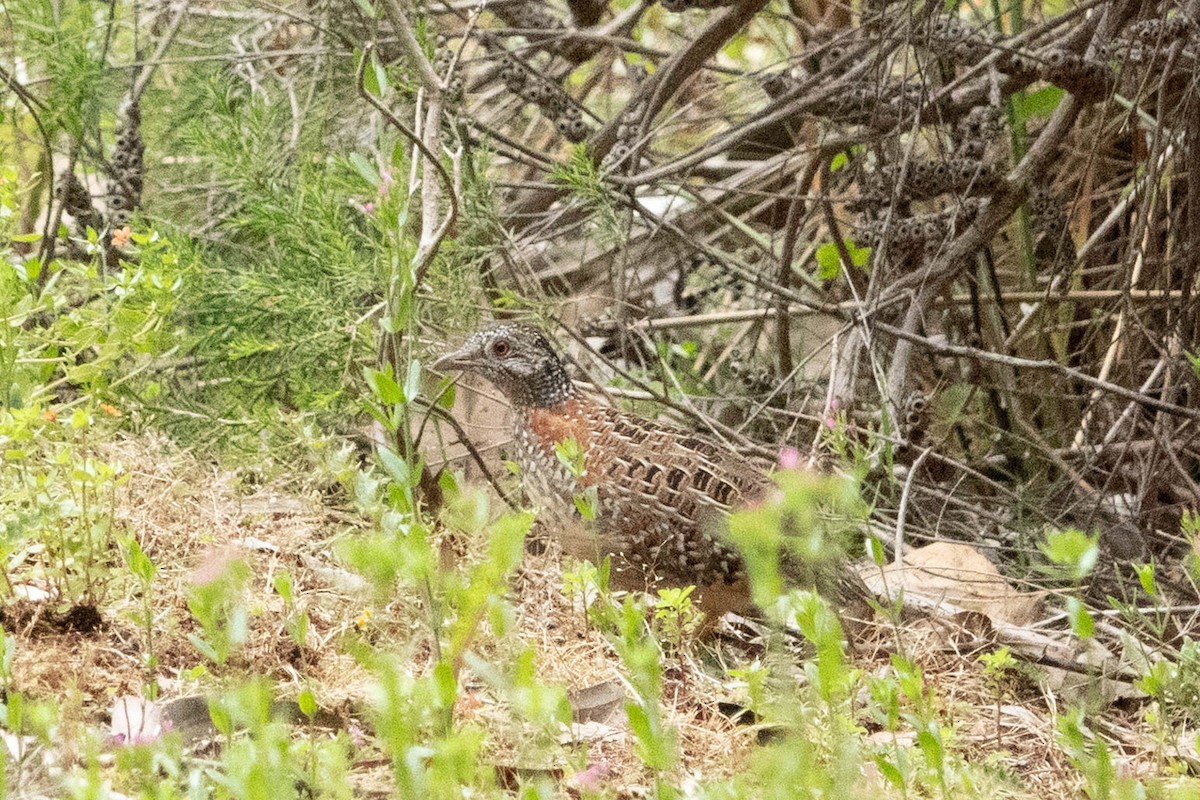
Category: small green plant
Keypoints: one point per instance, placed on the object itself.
(215, 599)
(998, 669)
(60, 493)
(642, 656)
(587, 584)
(1092, 757)
(1072, 555)
(676, 620)
(573, 456)
(297, 619)
(144, 569)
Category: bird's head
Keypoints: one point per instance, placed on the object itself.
(518, 359)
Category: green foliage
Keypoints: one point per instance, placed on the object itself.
(580, 176)
(1175, 684)
(1040, 103)
(572, 455)
(297, 618)
(215, 600)
(588, 584)
(656, 743)
(829, 259)
(676, 620)
(1072, 553)
(278, 303)
(143, 570)
(56, 503)
(808, 523)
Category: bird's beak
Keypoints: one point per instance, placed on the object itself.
(462, 358)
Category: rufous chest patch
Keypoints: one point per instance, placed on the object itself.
(554, 425)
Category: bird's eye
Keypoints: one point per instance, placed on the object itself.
(501, 348)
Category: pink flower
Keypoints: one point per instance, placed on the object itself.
(214, 563)
(367, 208)
(789, 458)
(592, 778)
(831, 423)
(385, 182)
(358, 737)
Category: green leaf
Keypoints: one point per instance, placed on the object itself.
(285, 586)
(1145, 573)
(889, 771)
(829, 260)
(365, 169)
(396, 466)
(412, 385)
(384, 388)
(1082, 624)
(139, 563)
(930, 742)
(875, 550)
(1041, 103)
(307, 702)
(839, 161)
(586, 503)
(571, 455)
(1072, 550)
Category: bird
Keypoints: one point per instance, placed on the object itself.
(651, 497)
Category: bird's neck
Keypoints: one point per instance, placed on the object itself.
(548, 387)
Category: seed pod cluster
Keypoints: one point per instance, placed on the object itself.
(623, 157)
(705, 285)
(978, 129)
(914, 417)
(1049, 220)
(442, 64)
(1086, 79)
(925, 179)
(753, 378)
(1154, 31)
(1150, 40)
(532, 18)
(550, 99)
(921, 231)
(878, 107)
(124, 191)
(953, 39)
(77, 202)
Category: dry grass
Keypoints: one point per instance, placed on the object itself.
(183, 511)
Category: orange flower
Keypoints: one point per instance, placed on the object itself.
(50, 415)
(110, 409)
(120, 237)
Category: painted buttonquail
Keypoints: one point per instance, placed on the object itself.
(659, 496)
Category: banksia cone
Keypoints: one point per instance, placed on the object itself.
(1087, 80)
(77, 202)
(124, 193)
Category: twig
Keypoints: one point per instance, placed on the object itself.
(430, 159)
(902, 510)
(1046, 366)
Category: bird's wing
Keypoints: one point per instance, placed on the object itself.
(680, 468)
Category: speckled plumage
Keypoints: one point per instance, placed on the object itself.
(661, 495)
